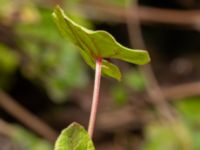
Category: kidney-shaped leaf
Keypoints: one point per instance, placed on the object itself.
(75, 137)
(98, 44)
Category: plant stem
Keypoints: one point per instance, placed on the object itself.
(95, 99)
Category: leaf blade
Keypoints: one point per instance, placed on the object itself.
(74, 137)
(98, 44)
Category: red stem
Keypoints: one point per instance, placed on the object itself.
(95, 99)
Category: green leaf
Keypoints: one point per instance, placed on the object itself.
(97, 44)
(75, 137)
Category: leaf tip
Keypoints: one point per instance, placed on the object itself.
(148, 57)
(145, 57)
(57, 7)
(75, 124)
(57, 11)
(119, 78)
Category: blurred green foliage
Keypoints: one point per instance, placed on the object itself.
(119, 94)
(182, 135)
(29, 141)
(165, 135)
(189, 108)
(52, 61)
(8, 63)
(161, 137)
(135, 80)
(46, 59)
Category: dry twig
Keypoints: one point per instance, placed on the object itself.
(153, 89)
(27, 118)
(146, 15)
(182, 90)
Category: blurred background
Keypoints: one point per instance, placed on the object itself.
(45, 85)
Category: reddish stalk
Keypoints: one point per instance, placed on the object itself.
(95, 99)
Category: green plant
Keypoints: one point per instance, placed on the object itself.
(95, 47)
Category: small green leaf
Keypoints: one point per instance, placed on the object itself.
(98, 44)
(75, 137)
